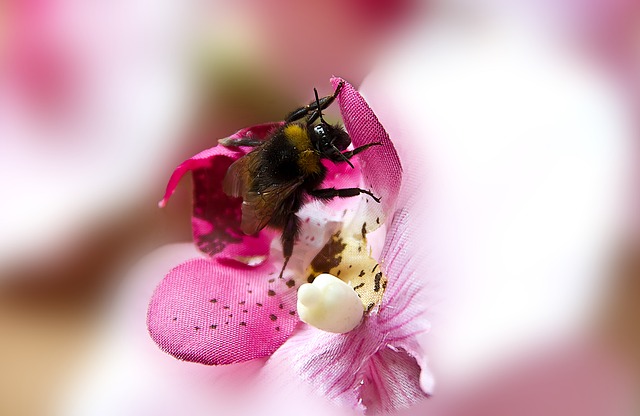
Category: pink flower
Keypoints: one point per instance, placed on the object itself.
(378, 365)
(232, 307)
(91, 96)
(520, 159)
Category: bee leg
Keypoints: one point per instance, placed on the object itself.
(357, 150)
(323, 104)
(311, 110)
(227, 142)
(299, 113)
(289, 234)
(330, 193)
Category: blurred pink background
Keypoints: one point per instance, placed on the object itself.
(525, 112)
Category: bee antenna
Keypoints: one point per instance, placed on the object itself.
(342, 156)
(315, 91)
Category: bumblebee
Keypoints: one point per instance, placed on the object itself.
(285, 170)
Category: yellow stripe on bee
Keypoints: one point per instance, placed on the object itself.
(297, 136)
(309, 162)
(308, 159)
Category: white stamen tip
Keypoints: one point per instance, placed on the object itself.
(329, 304)
(309, 295)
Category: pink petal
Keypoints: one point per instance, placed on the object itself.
(382, 13)
(330, 362)
(211, 313)
(381, 168)
(202, 159)
(357, 369)
(402, 314)
(390, 381)
(42, 61)
(406, 304)
(216, 217)
(341, 175)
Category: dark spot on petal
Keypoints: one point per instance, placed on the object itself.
(370, 306)
(376, 282)
(230, 315)
(245, 311)
(272, 280)
(277, 328)
(258, 304)
(281, 306)
(378, 220)
(364, 228)
(339, 271)
(250, 291)
(351, 265)
(273, 317)
(361, 273)
(213, 326)
(226, 323)
(374, 268)
(271, 293)
(292, 313)
(242, 303)
(196, 328)
(225, 307)
(330, 256)
(290, 283)
(175, 319)
(213, 300)
(243, 324)
(358, 286)
(359, 249)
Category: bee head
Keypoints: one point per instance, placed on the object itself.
(330, 139)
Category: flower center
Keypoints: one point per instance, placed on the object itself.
(348, 259)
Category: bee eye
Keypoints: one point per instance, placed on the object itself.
(320, 130)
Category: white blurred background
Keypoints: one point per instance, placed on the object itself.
(525, 113)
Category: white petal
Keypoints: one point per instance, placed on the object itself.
(62, 174)
(523, 154)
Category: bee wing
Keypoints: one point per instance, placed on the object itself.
(237, 181)
(259, 207)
